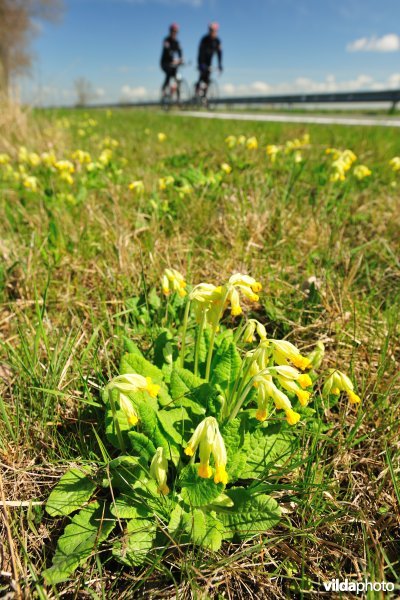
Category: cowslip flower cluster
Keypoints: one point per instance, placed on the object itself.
(173, 280)
(395, 163)
(209, 441)
(137, 187)
(342, 163)
(252, 143)
(131, 383)
(159, 470)
(226, 168)
(211, 301)
(297, 143)
(272, 152)
(165, 182)
(361, 172)
(339, 382)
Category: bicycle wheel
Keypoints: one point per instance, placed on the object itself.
(212, 95)
(185, 95)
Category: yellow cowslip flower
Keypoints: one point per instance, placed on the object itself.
(395, 163)
(230, 141)
(361, 171)
(266, 390)
(174, 281)
(241, 140)
(127, 407)
(109, 142)
(81, 157)
(165, 182)
(284, 351)
(137, 187)
(33, 159)
(48, 159)
(252, 143)
(209, 440)
(272, 151)
(91, 123)
(254, 326)
(226, 168)
(161, 137)
(64, 166)
(159, 470)
(67, 177)
(105, 157)
(23, 155)
(30, 182)
(298, 157)
(339, 382)
(334, 151)
(133, 382)
(247, 285)
(184, 190)
(4, 159)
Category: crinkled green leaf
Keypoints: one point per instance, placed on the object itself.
(181, 386)
(71, 492)
(197, 491)
(141, 445)
(129, 507)
(204, 529)
(250, 514)
(136, 542)
(81, 537)
(152, 429)
(265, 450)
(160, 348)
(226, 366)
(125, 472)
(175, 422)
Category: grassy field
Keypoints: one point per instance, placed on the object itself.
(75, 253)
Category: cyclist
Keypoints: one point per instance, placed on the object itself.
(171, 56)
(210, 44)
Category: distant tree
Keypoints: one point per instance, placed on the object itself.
(17, 26)
(84, 91)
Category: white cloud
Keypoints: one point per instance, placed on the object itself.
(100, 92)
(308, 85)
(387, 43)
(133, 93)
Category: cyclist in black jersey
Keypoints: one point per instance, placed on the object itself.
(210, 44)
(171, 55)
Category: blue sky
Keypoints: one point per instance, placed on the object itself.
(270, 46)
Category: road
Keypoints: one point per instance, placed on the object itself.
(313, 119)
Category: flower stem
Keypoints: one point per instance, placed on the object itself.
(198, 343)
(116, 422)
(185, 324)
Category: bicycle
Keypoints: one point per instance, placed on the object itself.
(177, 92)
(206, 95)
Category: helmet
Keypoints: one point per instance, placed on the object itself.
(213, 26)
(174, 27)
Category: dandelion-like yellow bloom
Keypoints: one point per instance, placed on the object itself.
(159, 470)
(208, 439)
(161, 137)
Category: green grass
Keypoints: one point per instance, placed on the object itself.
(69, 268)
